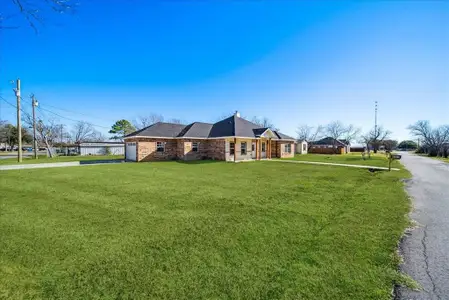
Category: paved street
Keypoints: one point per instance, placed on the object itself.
(426, 249)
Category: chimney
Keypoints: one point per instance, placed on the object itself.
(237, 114)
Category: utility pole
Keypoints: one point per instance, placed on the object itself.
(19, 124)
(34, 103)
(375, 119)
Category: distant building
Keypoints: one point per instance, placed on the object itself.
(103, 148)
(330, 145)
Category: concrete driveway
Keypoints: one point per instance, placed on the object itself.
(426, 249)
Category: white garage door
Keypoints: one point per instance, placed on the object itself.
(131, 151)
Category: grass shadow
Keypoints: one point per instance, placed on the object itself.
(198, 162)
(103, 161)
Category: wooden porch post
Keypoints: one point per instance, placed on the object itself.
(270, 148)
(235, 148)
(257, 141)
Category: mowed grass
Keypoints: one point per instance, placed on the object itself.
(42, 160)
(205, 230)
(376, 160)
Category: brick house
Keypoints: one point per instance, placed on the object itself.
(231, 139)
(329, 145)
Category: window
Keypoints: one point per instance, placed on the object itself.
(263, 147)
(253, 147)
(288, 148)
(160, 146)
(243, 148)
(304, 147)
(195, 146)
(231, 148)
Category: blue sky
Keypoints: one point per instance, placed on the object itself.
(295, 62)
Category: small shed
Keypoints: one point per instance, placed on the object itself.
(301, 147)
(103, 148)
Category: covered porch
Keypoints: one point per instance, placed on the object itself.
(264, 146)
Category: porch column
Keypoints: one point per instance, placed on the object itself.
(270, 148)
(257, 154)
(235, 148)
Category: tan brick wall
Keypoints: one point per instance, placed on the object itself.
(188, 154)
(146, 149)
(178, 149)
(281, 149)
(216, 149)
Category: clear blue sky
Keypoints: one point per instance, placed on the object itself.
(295, 62)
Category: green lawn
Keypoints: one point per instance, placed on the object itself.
(205, 230)
(44, 159)
(376, 160)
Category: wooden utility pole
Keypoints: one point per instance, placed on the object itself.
(34, 104)
(19, 124)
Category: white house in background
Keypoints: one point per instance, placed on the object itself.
(301, 147)
(103, 148)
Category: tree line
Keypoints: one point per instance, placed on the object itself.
(434, 141)
(49, 133)
(338, 131)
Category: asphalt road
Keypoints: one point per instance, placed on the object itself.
(426, 249)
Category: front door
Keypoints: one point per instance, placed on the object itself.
(264, 150)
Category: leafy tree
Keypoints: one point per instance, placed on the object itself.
(121, 128)
(9, 134)
(408, 144)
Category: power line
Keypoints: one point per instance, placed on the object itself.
(70, 119)
(41, 110)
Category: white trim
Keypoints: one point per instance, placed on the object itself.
(268, 130)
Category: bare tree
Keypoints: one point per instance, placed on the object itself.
(98, 137)
(338, 131)
(264, 122)
(433, 139)
(82, 132)
(375, 138)
(33, 11)
(176, 121)
(309, 134)
(145, 121)
(48, 132)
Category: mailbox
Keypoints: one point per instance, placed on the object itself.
(396, 156)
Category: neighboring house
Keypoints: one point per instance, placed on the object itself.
(231, 139)
(347, 145)
(103, 148)
(358, 148)
(301, 146)
(330, 145)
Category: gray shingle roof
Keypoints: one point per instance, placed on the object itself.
(232, 126)
(328, 141)
(283, 136)
(160, 129)
(196, 130)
